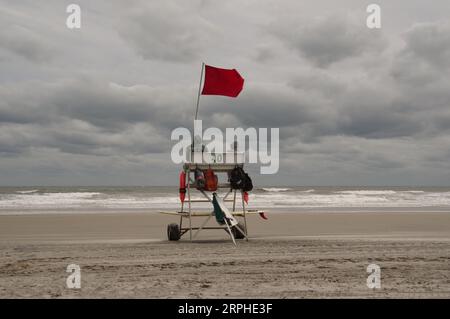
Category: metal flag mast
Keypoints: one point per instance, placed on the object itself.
(199, 90)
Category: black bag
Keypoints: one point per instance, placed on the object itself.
(240, 180)
(199, 179)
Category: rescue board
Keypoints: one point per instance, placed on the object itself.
(203, 214)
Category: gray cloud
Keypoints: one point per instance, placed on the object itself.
(25, 43)
(19, 36)
(422, 66)
(330, 39)
(429, 42)
(167, 31)
(89, 117)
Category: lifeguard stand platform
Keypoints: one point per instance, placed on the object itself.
(222, 163)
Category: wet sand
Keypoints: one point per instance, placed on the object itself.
(289, 256)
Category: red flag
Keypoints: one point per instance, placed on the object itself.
(222, 82)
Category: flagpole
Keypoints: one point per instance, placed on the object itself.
(199, 91)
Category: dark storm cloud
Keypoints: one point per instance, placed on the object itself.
(329, 39)
(89, 117)
(26, 103)
(424, 62)
(420, 71)
(375, 112)
(78, 137)
(103, 104)
(376, 123)
(262, 106)
(111, 105)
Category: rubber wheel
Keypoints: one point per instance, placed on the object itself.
(173, 232)
(237, 234)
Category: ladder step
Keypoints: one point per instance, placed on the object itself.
(220, 185)
(207, 201)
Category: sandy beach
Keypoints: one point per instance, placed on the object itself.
(289, 256)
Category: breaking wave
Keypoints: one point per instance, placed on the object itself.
(275, 189)
(368, 192)
(28, 191)
(167, 198)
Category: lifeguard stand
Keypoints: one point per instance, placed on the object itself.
(220, 163)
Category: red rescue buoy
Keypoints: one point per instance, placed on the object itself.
(182, 186)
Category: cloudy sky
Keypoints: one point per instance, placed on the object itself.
(96, 106)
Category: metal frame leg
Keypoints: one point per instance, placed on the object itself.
(182, 210)
(189, 203)
(201, 226)
(245, 215)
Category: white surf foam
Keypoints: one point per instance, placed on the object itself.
(73, 200)
(368, 192)
(359, 198)
(275, 189)
(28, 191)
(46, 200)
(270, 197)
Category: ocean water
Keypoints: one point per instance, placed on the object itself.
(14, 200)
